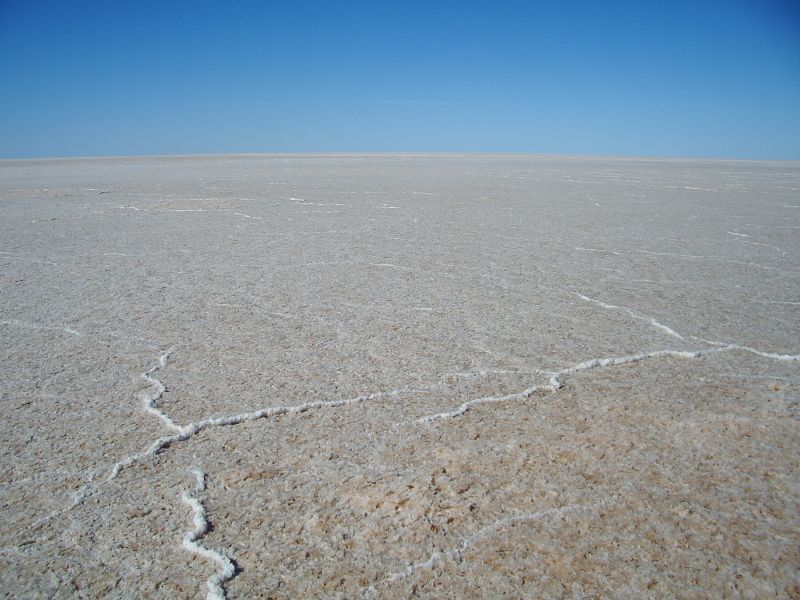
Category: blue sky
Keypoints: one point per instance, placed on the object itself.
(712, 79)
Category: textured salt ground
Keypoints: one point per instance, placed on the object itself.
(371, 292)
(402, 501)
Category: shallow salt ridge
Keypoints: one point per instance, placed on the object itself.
(27, 325)
(482, 534)
(149, 399)
(215, 583)
(79, 334)
(724, 259)
(192, 210)
(650, 320)
(78, 497)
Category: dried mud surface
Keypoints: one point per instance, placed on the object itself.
(364, 376)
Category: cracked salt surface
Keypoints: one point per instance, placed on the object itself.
(314, 377)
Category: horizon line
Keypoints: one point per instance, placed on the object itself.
(311, 154)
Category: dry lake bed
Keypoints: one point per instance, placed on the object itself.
(394, 376)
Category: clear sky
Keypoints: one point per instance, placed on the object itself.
(694, 78)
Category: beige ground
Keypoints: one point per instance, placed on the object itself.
(501, 377)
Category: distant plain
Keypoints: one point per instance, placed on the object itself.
(392, 376)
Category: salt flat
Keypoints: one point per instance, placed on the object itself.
(397, 376)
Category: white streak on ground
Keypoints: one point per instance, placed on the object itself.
(70, 331)
(307, 203)
(776, 248)
(675, 254)
(719, 258)
(78, 497)
(650, 320)
(487, 532)
(195, 210)
(723, 346)
(215, 583)
(597, 250)
(28, 325)
(481, 373)
(391, 266)
(678, 255)
(33, 260)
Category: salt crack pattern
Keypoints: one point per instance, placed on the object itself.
(556, 381)
(215, 583)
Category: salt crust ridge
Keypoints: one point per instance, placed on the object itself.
(484, 533)
(215, 583)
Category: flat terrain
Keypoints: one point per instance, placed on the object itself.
(399, 376)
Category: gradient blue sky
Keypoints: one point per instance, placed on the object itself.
(715, 79)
